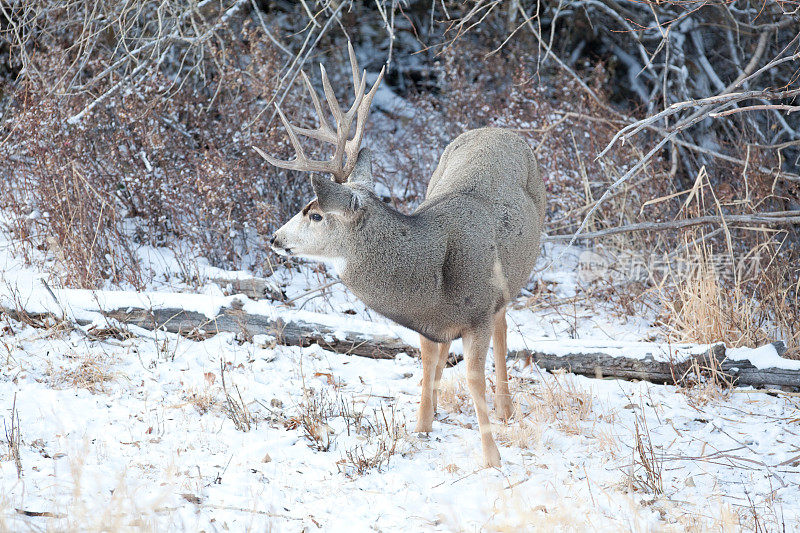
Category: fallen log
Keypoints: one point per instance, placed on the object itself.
(289, 333)
(294, 332)
(740, 372)
(598, 364)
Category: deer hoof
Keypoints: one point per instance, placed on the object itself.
(424, 426)
(504, 410)
(491, 456)
(493, 461)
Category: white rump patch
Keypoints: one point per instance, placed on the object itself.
(499, 278)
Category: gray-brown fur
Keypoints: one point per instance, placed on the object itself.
(449, 269)
(434, 271)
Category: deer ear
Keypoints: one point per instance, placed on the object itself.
(334, 197)
(362, 173)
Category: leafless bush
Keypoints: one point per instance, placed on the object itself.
(666, 56)
(136, 137)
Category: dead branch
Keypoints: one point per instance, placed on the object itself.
(782, 218)
(780, 107)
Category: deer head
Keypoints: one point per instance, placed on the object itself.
(315, 230)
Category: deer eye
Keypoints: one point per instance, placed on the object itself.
(316, 217)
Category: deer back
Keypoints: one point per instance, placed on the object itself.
(496, 169)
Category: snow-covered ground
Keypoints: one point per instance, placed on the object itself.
(139, 433)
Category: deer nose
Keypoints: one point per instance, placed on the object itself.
(272, 240)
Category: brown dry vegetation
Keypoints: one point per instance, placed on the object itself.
(92, 373)
(160, 163)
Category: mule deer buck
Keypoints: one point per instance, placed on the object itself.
(448, 270)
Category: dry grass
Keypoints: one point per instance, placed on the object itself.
(235, 407)
(700, 307)
(557, 403)
(203, 399)
(647, 465)
(453, 395)
(92, 373)
(381, 432)
(560, 402)
(13, 438)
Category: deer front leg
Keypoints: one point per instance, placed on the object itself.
(476, 344)
(502, 397)
(430, 358)
(444, 353)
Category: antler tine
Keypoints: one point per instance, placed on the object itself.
(344, 146)
(274, 162)
(357, 101)
(324, 132)
(301, 162)
(298, 148)
(354, 144)
(333, 104)
(353, 67)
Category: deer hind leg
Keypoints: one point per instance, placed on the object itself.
(502, 398)
(444, 353)
(476, 344)
(430, 360)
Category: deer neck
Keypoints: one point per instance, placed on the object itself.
(393, 263)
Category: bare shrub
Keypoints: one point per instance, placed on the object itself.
(159, 161)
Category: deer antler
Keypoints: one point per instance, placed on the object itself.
(337, 164)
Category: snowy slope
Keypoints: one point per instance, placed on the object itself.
(137, 434)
